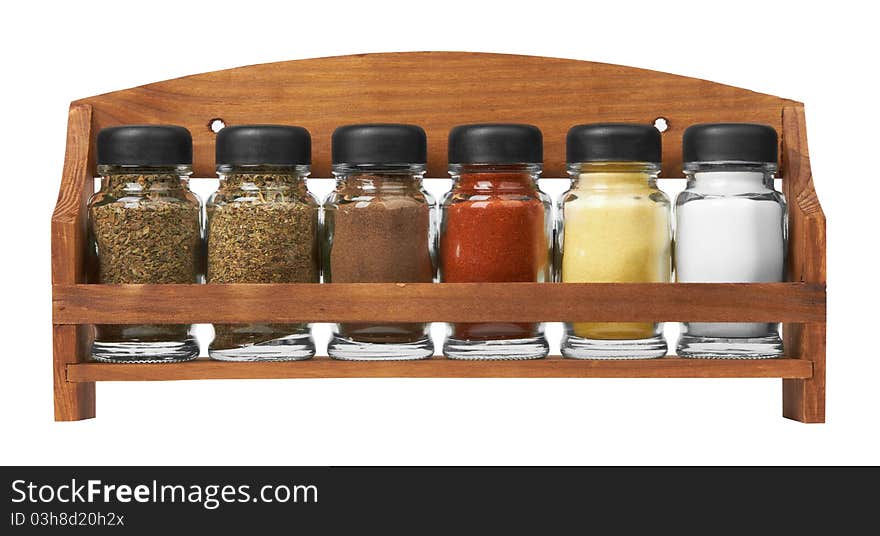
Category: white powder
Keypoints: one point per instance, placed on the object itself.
(735, 234)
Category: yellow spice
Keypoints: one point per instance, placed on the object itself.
(614, 233)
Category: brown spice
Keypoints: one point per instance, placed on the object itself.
(385, 240)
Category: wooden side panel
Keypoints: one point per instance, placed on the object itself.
(803, 400)
(69, 218)
(73, 401)
(447, 302)
(436, 90)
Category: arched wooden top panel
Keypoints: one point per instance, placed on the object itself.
(436, 90)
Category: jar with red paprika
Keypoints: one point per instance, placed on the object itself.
(495, 227)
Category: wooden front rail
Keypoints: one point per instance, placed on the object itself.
(446, 302)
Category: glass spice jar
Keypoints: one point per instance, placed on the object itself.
(495, 227)
(262, 228)
(378, 229)
(614, 227)
(147, 228)
(731, 227)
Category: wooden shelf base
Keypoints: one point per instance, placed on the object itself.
(438, 367)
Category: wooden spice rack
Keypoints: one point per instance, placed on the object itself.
(437, 90)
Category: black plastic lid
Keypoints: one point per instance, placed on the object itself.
(730, 142)
(145, 145)
(380, 143)
(496, 143)
(613, 142)
(277, 145)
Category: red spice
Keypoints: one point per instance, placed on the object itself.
(494, 231)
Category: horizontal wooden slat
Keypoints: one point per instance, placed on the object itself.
(552, 367)
(448, 302)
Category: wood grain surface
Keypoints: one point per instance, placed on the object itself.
(70, 344)
(803, 400)
(552, 367)
(446, 302)
(436, 90)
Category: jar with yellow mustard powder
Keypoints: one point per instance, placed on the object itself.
(614, 227)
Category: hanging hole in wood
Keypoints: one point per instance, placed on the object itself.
(661, 124)
(216, 125)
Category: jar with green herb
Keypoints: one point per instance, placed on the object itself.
(146, 226)
(262, 228)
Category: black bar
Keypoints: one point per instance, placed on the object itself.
(364, 500)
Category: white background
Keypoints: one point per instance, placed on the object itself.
(53, 54)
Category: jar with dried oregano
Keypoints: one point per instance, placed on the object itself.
(378, 229)
(147, 228)
(262, 228)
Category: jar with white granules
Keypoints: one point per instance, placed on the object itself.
(731, 227)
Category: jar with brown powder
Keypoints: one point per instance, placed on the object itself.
(378, 229)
